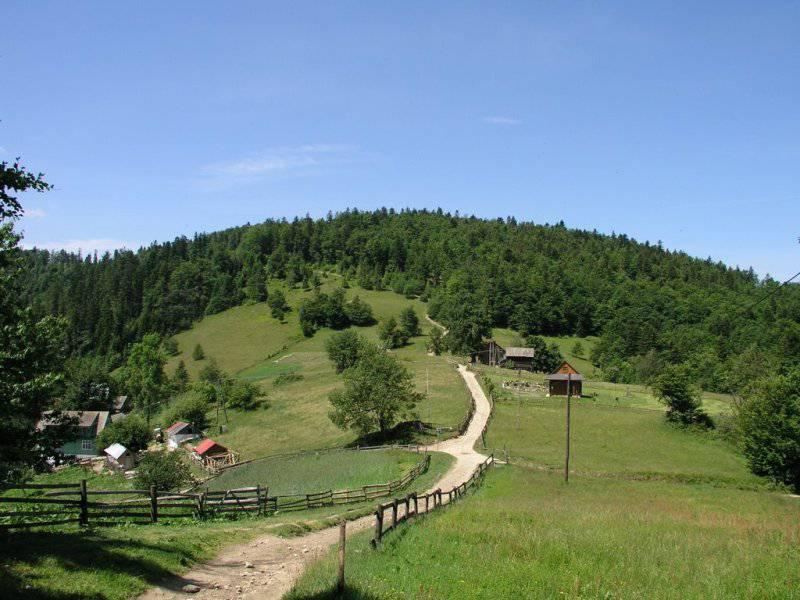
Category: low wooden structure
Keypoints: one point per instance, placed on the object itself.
(180, 432)
(565, 376)
(119, 457)
(213, 455)
(513, 357)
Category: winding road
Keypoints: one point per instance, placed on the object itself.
(268, 566)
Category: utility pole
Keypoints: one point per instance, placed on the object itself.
(569, 398)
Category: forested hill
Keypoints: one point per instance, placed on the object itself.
(650, 306)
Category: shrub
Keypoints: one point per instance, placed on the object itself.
(769, 422)
(198, 353)
(286, 379)
(164, 470)
(277, 304)
(391, 335)
(409, 322)
(674, 388)
(359, 312)
(436, 343)
(191, 408)
(244, 395)
(344, 349)
(132, 432)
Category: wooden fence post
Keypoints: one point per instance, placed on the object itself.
(153, 504)
(394, 513)
(258, 499)
(378, 526)
(83, 519)
(416, 503)
(342, 541)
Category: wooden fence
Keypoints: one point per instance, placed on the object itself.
(74, 503)
(362, 494)
(401, 508)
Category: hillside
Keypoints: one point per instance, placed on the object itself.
(647, 305)
(249, 343)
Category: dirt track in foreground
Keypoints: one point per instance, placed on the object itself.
(267, 567)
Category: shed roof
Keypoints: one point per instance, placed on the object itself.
(116, 450)
(563, 377)
(207, 446)
(177, 427)
(119, 403)
(85, 418)
(516, 351)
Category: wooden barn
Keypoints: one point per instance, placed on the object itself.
(491, 354)
(519, 358)
(563, 376)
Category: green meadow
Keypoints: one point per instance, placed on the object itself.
(249, 343)
(319, 472)
(525, 534)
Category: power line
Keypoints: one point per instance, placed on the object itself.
(772, 292)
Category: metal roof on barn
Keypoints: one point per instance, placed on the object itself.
(206, 446)
(518, 352)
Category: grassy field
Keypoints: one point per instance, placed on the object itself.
(319, 472)
(599, 392)
(248, 342)
(116, 563)
(524, 534)
(614, 440)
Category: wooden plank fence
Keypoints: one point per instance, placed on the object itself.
(41, 505)
(413, 505)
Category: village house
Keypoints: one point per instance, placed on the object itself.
(119, 457)
(514, 357)
(561, 377)
(89, 425)
(179, 433)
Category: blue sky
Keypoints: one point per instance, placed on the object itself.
(669, 121)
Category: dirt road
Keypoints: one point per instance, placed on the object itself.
(267, 567)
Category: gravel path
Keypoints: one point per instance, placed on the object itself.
(267, 567)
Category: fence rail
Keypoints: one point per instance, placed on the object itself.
(401, 508)
(60, 504)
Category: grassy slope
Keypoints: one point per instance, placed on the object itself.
(243, 340)
(525, 534)
(509, 337)
(325, 471)
(121, 562)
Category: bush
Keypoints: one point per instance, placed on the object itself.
(436, 343)
(391, 335)
(277, 304)
(286, 379)
(191, 408)
(770, 429)
(359, 312)
(132, 432)
(244, 395)
(674, 388)
(164, 470)
(198, 353)
(344, 349)
(409, 322)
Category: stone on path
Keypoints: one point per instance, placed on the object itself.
(190, 588)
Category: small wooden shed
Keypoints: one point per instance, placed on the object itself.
(566, 375)
(119, 457)
(519, 358)
(180, 432)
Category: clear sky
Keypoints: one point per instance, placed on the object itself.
(673, 121)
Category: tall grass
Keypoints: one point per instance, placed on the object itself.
(524, 534)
